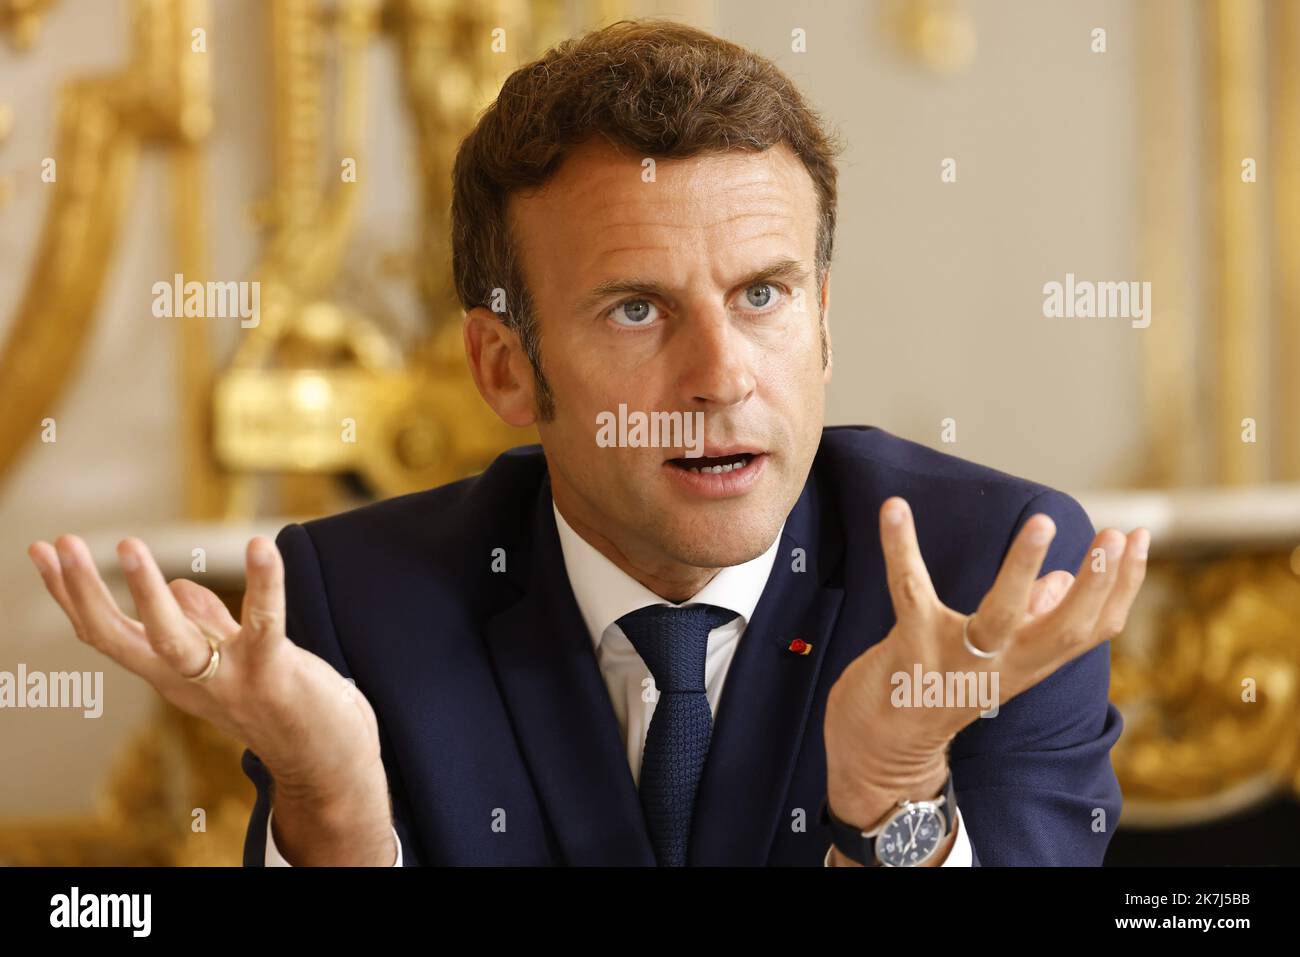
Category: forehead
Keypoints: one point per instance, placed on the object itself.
(599, 214)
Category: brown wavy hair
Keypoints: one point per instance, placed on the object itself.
(659, 88)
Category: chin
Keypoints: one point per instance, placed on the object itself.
(722, 540)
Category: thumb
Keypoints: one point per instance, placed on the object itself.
(263, 617)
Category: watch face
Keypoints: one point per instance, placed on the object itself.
(910, 838)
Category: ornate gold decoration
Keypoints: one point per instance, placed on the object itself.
(6, 179)
(1195, 745)
(103, 122)
(316, 367)
(315, 358)
(1211, 235)
(1192, 749)
(174, 765)
(1176, 448)
(21, 19)
(1235, 34)
(1284, 134)
(938, 34)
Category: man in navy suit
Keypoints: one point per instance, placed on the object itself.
(705, 631)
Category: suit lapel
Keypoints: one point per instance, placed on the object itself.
(763, 715)
(560, 708)
(569, 734)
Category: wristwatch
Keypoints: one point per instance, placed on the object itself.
(907, 837)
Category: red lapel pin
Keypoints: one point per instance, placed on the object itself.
(800, 647)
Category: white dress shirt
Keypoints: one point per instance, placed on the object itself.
(605, 593)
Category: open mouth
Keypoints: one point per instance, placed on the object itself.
(714, 465)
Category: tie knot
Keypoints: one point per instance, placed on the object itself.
(673, 641)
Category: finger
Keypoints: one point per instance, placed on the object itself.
(263, 612)
(1073, 621)
(1003, 609)
(909, 580)
(46, 560)
(176, 639)
(1048, 592)
(201, 606)
(1133, 569)
(103, 625)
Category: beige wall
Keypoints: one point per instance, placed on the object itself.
(937, 288)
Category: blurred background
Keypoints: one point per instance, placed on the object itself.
(992, 148)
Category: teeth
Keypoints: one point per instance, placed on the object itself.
(719, 469)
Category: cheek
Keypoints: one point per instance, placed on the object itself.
(594, 380)
(797, 342)
(792, 367)
(592, 462)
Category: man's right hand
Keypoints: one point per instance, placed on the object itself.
(311, 727)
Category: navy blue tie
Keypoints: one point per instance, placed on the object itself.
(673, 642)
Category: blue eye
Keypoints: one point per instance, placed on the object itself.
(760, 295)
(634, 312)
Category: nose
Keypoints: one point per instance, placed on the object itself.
(715, 360)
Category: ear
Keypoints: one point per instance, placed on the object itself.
(826, 326)
(500, 367)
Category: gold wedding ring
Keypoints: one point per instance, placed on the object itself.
(214, 661)
(965, 637)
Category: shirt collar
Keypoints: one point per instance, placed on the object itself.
(606, 593)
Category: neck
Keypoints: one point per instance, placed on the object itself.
(671, 581)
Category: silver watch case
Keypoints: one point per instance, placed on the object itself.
(928, 813)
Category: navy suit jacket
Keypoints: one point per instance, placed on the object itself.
(491, 705)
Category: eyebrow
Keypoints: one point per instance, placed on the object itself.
(787, 270)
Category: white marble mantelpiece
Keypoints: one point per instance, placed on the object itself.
(1203, 519)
